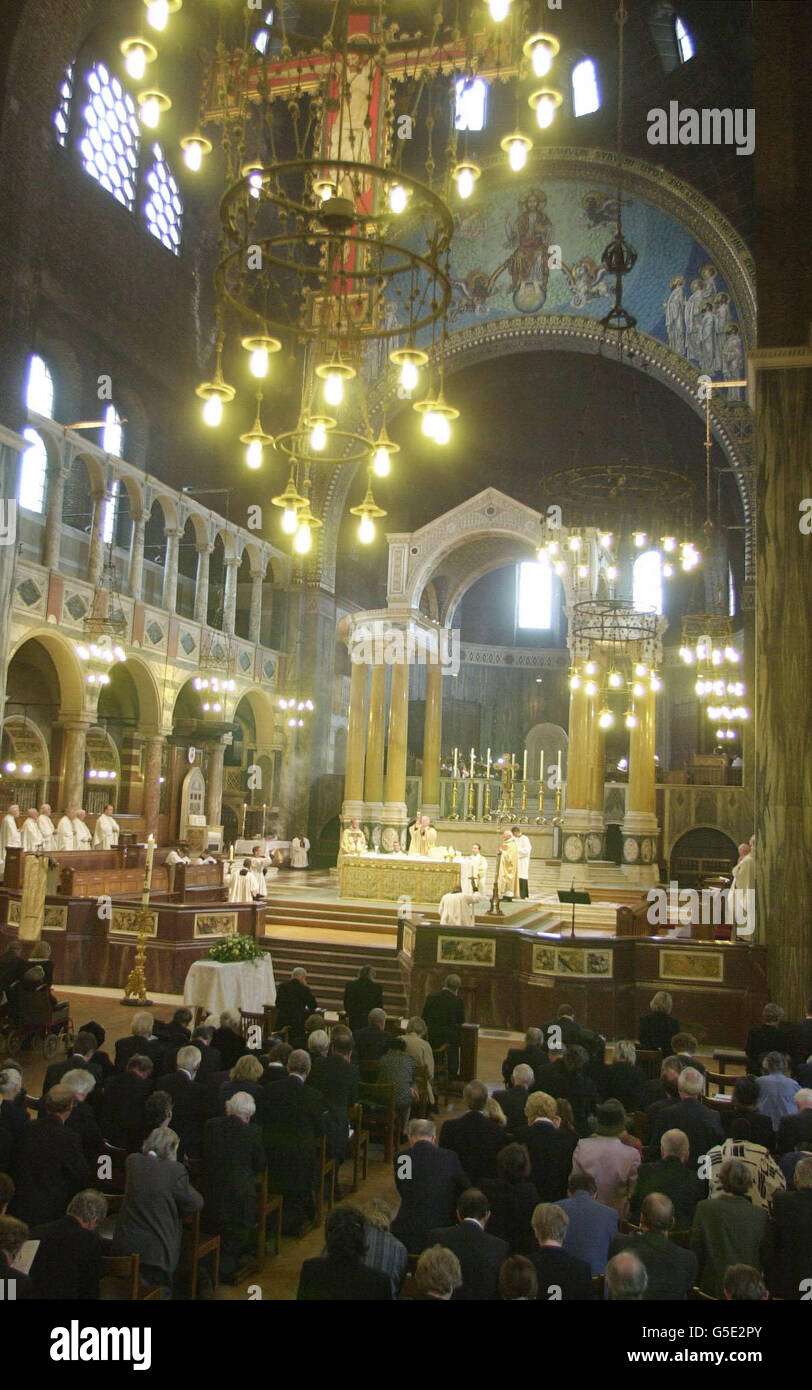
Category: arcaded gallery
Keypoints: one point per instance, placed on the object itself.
(405, 599)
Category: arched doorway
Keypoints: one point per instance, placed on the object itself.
(700, 853)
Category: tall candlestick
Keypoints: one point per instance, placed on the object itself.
(472, 762)
(540, 816)
(488, 763)
(524, 766)
(135, 988)
(456, 751)
(148, 870)
(541, 767)
(231, 853)
(558, 775)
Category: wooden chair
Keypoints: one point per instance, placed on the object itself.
(420, 1109)
(270, 1014)
(267, 1206)
(114, 1185)
(358, 1146)
(326, 1174)
(720, 1080)
(720, 1103)
(368, 1071)
(33, 1103)
(124, 1270)
(732, 1055)
(193, 1249)
(261, 1021)
(637, 1125)
(650, 1061)
(382, 1118)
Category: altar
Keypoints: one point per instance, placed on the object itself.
(388, 877)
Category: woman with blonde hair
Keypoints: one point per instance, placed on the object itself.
(657, 1028)
(245, 1075)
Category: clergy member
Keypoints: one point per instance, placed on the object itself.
(423, 837)
(65, 838)
(178, 856)
(46, 827)
(478, 870)
(508, 880)
(81, 833)
(742, 893)
(241, 888)
(32, 835)
(105, 836)
(353, 840)
(299, 847)
(9, 834)
(523, 850)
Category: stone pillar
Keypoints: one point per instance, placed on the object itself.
(595, 771)
(640, 821)
(373, 771)
(139, 521)
(170, 592)
(255, 616)
(577, 817)
(231, 565)
(95, 561)
(353, 804)
(152, 786)
(202, 584)
(394, 811)
(57, 477)
(214, 784)
(74, 737)
(432, 739)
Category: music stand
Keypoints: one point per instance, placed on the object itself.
(574, 898)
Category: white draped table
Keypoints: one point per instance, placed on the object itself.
(239, 984)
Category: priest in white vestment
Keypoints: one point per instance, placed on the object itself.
(46, 827)
(10, 837)
(353, 839)
(105, 836)
(81, 833)
(241, 888)
(299, 847)
(32, 835)
(177, 856)
(423, 837)
(457, 910)
(743, 893)
(508, 880)
(523, 851)
(65, 838)
(475, 872)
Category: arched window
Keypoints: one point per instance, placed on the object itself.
(534, 608)
(586, 97)
(62, 112)
(33, 473)
(111, 137)
(163, 208)
(39, 390)
(685, 44)
(111, 443)
(471, 103)
(647, 586)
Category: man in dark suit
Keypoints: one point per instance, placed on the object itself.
(795, 1131)
(361, 996)
(190, 1101)
(561, 1276)
(13, 1118)
(340, 1275)
(514, 1099)
(481, 1256)
(671, 1271)
(533, 1054)
(702, 1125)
(550, 1147)
(81, 1059)
(142, 1041)
(769, 1035)
(210, 1058)
(13, 965)
(67, 1264)
(293, 1120)
(799, 1040)
(338, 1082)
(672, 1175)
(567, 1032)
(552, 1077)
(233, 1156)
(50, 1166)
(121, 1111)
(789, 1250)
(295, 1002)
(429, 1181)
(473, 1137)
(728, 1229)
(176, 1032)
(444, 1015)
(592, 1226)
(372, 1041)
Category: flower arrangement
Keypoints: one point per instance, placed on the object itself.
(236, 948)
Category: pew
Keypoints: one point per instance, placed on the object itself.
(90, 882)
(203, 881)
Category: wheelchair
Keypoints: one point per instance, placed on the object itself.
(35, 1021)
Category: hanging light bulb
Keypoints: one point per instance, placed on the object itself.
(574, 542)
(443, 415)
(606, 719)
(213, 411)
(367, 512)
(669, 544)
(325, 188)
(442, 429)
(289, 521)
(630, 720)
(409, 359)
(381, 462)
(253, 454)
(260, 347)
(429, 421)
(655, 683)
(638, 690)
(334, 373)
(590, 689)
(256, 439)
(668, 570)
(517, 146)
(290, 501)
(612, 573)
(641, 669)
(615, 679)
(545, 102)
(194, 148)
(553, 547)
(152, 105)
(158, 12)
(575, 681)
(605, 540)
(466, 174)
(640, 538)
(366, 530)
(590, 668)
(333, 389)
(302, 540)
(542, 50)
(499, 10)
(319, 425)
(398, 198)
(137, 53)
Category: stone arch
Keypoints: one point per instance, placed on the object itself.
(712, 838)
(187, 568)
(150, 705)
(66, 665)
(549, 738)
(217, 575)
(262, 713)
(24, 743)
(136, 431)
(63, 363)
(244, 585)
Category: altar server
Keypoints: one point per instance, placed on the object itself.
(65, 838)
(81, 833)
(353, 840)
(508, 881)
(241, 888)
(46, 827)
(423, 837)
(10, 837)
(299, 847)
(32, 835)
(105, 836)
(477, 871)
(523, 850)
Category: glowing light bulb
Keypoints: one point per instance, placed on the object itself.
(668, 571)
(575, 681)
(258, 362)
(381, 463)
(638, 690)
(590, 688)
(213, 411)
(366, 530)
(193, 157)
(442, 429)
(541, 58)
(158, 14)
(135, 62)
(409, 376)
(655, 683)
(640, 539)
(641, 669)
(615, 679)
(574, 542)
(333, 388)
(630, 722)
(669, 545)
(429, 423)
(398, 198)
(605, 540)
(590, 668)
(301, 542)
(253, 454)
(517, 155)
(289, 520)
(545, 111)
(499, 10)
(151, 112)
(611, 572)
(606, 719)
(318, 437)
(465, 182)
(255, 184)
(553, 547)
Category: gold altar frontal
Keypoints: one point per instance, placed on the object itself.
(387, 877)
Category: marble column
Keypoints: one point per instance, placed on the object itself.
(577, 817)
(595, 769)
(353, 804)
(214, 784)
(373, 771)
(231, 565)
(202, 584)
(394, 811)
(57, 477)
(255, 616)
(640, 821)
(153, 765)
(432, 739)
(74, 736)
(139, 520)
(170, 590)
(95, 561)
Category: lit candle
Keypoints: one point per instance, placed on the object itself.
(559, 768)
(541, 767)
(455, 761)
(472, 762)
(524, 766)
(488, 763)
(244, 813)
(148, 870)
(231, 853)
